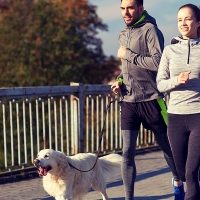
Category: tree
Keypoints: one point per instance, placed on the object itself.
(52, 43)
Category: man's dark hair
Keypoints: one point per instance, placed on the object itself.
(138, 2)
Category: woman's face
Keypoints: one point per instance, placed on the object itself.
(187, 23)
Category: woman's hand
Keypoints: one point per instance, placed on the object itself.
(183, 77)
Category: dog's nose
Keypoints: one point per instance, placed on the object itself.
(36, 162)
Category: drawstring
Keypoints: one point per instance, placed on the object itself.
(111, 100)
(188, 60)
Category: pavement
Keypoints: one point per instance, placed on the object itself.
(153, 182)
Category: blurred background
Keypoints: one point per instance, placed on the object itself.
(165, 13)
(55, 42)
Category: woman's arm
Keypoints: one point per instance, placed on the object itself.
(165, 83)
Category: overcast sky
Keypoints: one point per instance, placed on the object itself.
(164, 11)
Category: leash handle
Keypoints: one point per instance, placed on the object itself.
(101, 133)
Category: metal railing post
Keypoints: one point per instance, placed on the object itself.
(77, 116)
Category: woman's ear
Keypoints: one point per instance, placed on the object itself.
(198, 32)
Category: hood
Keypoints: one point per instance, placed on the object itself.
(180, 40)
(146, 18)
(176, 40)
(188, 42)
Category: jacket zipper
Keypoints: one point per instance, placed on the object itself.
(188, 60)
(128, 45)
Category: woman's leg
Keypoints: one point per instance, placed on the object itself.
(178, 138)
(184, 136)
(193, 158)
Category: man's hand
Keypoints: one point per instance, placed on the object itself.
(121, 52)
(116, 87)
(183, 77)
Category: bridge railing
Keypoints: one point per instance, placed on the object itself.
(65, 118)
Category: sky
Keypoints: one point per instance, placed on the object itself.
(164, 11)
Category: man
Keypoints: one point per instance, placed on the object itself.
(141, 46)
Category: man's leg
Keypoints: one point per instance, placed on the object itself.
(162, 141)
(154, 115)
(128, 161)
(130, 124)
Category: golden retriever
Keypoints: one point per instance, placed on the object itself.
(62, 181)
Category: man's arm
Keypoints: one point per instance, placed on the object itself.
(155, 44)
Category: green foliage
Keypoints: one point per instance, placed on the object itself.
(52, 43)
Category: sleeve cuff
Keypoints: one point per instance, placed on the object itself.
(120, 80)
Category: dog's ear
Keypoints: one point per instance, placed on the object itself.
(61, 159)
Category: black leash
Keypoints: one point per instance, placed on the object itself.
(101, 134)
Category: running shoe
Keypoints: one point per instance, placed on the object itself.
(179, 192)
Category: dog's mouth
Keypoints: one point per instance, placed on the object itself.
(44, 170)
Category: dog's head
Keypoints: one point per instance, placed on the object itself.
(49, 161)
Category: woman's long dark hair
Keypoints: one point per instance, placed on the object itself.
(196, 12)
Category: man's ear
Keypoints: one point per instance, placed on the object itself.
(141, 9)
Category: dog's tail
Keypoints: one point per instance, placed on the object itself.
(111, 165)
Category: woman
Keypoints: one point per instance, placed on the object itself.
(179, 75)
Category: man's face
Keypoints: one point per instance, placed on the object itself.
(131, 12)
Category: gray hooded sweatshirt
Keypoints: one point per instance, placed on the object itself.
(145, 44)
(183, 56)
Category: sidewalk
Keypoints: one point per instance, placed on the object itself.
(153, 182)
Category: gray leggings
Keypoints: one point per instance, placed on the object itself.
(128, 163)
(184, 137)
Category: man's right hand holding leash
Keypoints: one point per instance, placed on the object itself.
(116, 87)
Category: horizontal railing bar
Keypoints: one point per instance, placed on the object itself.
(45, 91)
(22, 92)
(96, 89)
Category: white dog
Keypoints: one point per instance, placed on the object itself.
(62, 181)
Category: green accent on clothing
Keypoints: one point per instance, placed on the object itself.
(144, 13)
(163, 109)
(120, 80)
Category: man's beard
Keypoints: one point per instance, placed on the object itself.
(133, 20)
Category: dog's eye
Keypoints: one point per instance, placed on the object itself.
(46, 156)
